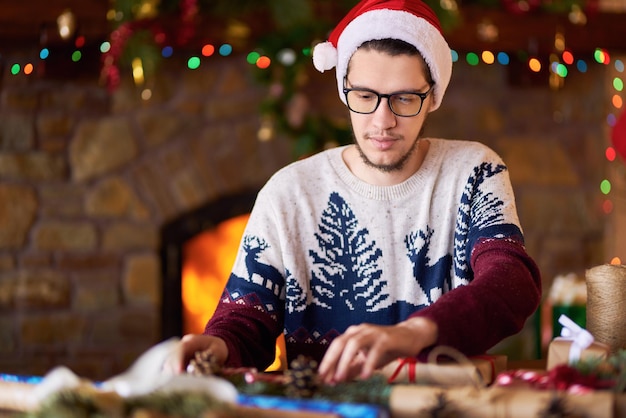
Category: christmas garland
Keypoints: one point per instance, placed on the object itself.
(290, 27)
(299, 382)
(139, 32)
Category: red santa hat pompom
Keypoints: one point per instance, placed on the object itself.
(411, 21)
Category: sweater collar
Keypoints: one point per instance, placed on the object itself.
(410, 186)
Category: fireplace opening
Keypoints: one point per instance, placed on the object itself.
(198, 251)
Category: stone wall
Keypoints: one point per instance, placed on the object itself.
(87, 180)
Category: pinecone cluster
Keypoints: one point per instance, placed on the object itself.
(204, 363)
(302, 378)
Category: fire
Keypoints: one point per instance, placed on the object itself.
(207, 261)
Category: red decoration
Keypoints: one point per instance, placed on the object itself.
(110, 72)
(618, 136)
(562, 377)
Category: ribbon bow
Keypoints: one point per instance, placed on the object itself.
(580, 337)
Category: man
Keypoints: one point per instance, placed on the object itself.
(390, 246)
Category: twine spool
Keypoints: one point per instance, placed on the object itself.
(606, 304)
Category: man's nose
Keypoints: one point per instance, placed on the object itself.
(383, 117)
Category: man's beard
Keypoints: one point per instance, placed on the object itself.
(388, 168)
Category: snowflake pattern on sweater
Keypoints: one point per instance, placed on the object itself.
(324, 250)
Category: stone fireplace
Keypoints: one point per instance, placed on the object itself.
(98, 192)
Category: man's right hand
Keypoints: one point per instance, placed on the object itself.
(191, 343)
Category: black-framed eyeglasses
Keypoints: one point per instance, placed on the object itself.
(402, 103)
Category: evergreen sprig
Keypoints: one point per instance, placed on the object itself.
(618, 361)
(92, 404)
(612, 368)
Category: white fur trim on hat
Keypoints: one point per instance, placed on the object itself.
(392, 24)
(324, 56)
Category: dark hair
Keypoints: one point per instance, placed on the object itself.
(396, 47)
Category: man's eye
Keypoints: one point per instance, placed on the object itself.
(405, 98)
(365, 95)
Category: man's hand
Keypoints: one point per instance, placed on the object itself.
(191, 343)
(366, 347)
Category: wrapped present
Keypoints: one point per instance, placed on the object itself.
(461, 370)
(575, 344)
(408, 401)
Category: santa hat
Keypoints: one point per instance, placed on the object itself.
(411, 21)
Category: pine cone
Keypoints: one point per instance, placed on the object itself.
(204, 363)
(302, 374)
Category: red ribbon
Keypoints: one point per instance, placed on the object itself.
(411, 363)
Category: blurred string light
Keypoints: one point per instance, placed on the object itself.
(193, 63)
(138, 73)
(167, 51)
(66, 24)
(602, 57)
(610, 154)
(561, 65)
(534, 65)
(207, 50)
(488, 57)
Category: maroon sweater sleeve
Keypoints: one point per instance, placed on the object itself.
(249, 333)
(505, 291)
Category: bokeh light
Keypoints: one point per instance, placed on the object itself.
(607, 207)
(193, 63)
(488, 57)
(610, 154)
(167, 51)
(559, 69)
(263, 62)
(618, 84)
(534, 64)
(503, 58)
(605, 186)
(253, 57)
(287, 56)
(208, 50)
(28, 69)
(44, 53)
(80, 41)
(611, 120)
(568, 57)
(617, 101)
(225, 50)
(602, 56)
(471, 58)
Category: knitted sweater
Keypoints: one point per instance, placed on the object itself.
(324, 250)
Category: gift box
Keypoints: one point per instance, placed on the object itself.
(409, 401)
(477, 370)
(559, 352)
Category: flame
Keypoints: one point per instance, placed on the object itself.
(207, 262)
